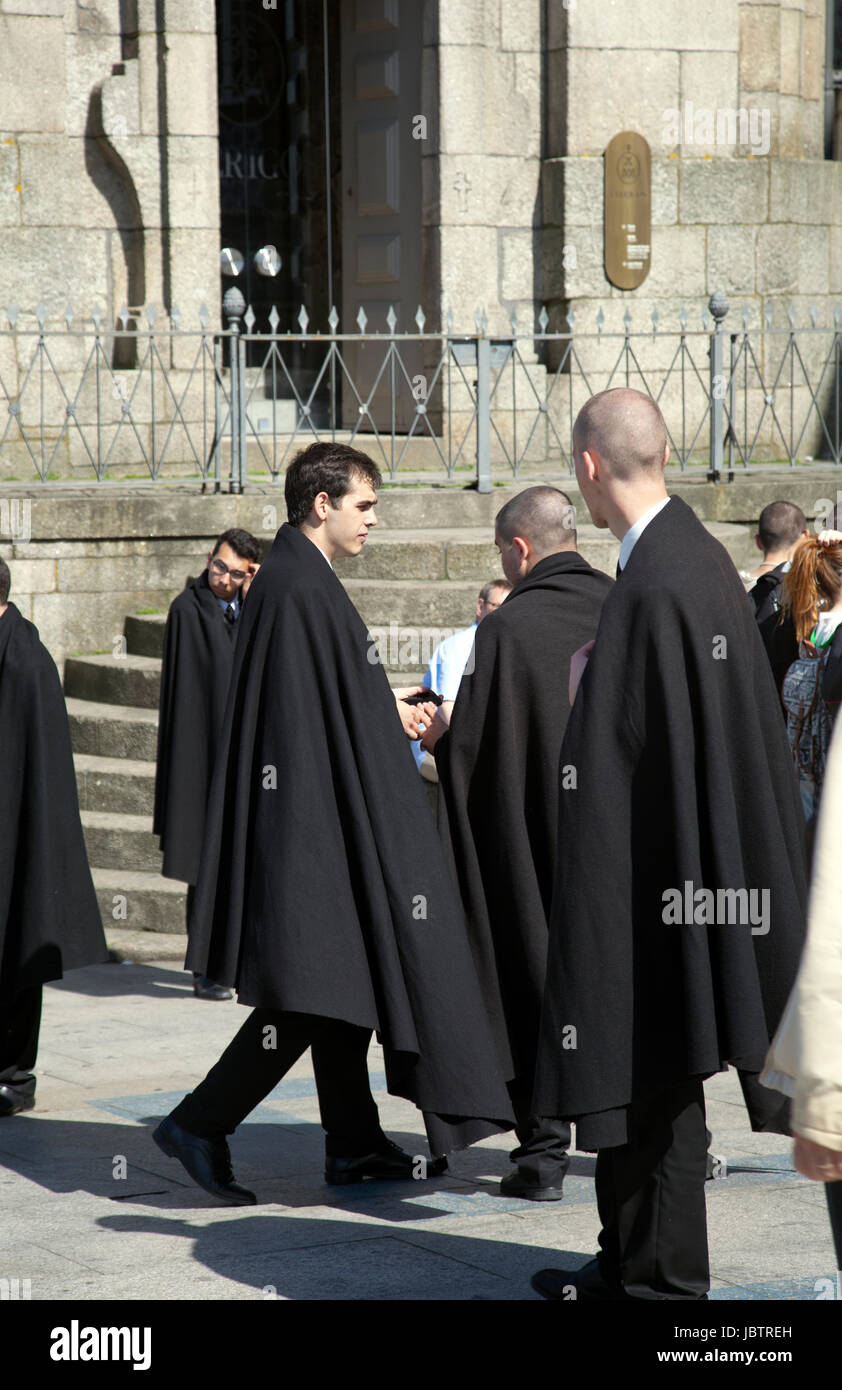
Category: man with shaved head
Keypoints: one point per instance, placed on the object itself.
(678, 910)
(780, 527)
(498, 772)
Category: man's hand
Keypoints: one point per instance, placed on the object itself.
(250, 573)
(578, 662)
(415, 718)
(829, 537)
(438, 726)
(817, 1162)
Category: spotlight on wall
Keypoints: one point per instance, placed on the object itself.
(267, 261)
(231, 261)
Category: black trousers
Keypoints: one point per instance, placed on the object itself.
(651, 1198)
(20, 1024)
(256, 1059)
(833, 1192)
(542, 1157)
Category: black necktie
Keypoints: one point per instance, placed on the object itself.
(618, 571)
(230, 615)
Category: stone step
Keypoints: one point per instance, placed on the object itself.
(144, 633)
(122, 842)
(126, 680)
(143, 947)
(150, 903)
(112, 731)
(115, 784)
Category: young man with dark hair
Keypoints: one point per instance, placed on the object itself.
(781, 526)
(198, 656)
(323, 895)
(49, 917)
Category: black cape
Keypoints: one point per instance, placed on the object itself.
(777, 628)
(196, 670)
(49, 917)
(684, 775)
(498, 773)
(323, 887)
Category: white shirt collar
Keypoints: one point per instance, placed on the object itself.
(634, 533)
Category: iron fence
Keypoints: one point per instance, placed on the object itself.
(230, 406)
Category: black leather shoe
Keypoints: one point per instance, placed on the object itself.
(387, 1161)
(13, 1101)
(568, 1285)
(515, 1185)
(203, 988)
(208, 1162)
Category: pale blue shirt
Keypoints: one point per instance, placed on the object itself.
(634, 533)
(445, 671)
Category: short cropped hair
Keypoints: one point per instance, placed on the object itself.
(626, 429)
(488, 589)
(243, 543)
(543, 515)
(329, 468)
(780, 525)
(5, 582)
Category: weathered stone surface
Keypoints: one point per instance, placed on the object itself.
(69, 624)
(482, 112)
(193, 181)
(39, 265)
(520, 25)
(804, 190)
(836, 262)
(472, 22)
(88, 62)
(633, 96)
(678, 261)
(10, 199)
(183, 16)
(792, 21)
(517, 264)
(813, 56)
(35, 46)
(112, 731)
(639, 25)
(34, 576)
(493, 190)
(793, 259)
(723, 190)
(708, 86)
(760, 47)
(191, 84)
(73, 200)
(790, 127)
(730, 259)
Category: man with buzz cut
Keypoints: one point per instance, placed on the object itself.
(323, 896)
(683, 776)
(497, 752)
(196, 668)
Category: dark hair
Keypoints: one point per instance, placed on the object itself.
(5, 582)
(780, 525)
(243, 543)
(329, 468)
(543, 515)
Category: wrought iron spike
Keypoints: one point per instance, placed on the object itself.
(837, 316)
(745, 320)
(362, 319)
(40, 313)
(96, 315)
(791, 315)
(682, 318)
(705, 319)
(513, 323)
(12, 313)
(814, 315)
(449, 321)
(68, 313)
(204, 315)
(768, 315)
(150, 315)
(175, 315)
(571, 317)
(627, 321)
(333, 319)
(420, 318)
(477, 320)
(600, 320)
(249, 319)
(274, 319)
(391, 319)
(543, 318)
(483, 322)
(123, 315)
(655, 321)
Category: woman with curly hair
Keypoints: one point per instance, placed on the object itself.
(812, 687)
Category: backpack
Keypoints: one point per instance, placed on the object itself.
(809, 722)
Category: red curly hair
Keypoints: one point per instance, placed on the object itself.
(814, 575)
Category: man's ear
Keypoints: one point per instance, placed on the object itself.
(590, 459)
(666, 454)
(758, 542)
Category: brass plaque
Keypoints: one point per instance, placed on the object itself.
(628, 210)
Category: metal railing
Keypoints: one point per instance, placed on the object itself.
(228, 407)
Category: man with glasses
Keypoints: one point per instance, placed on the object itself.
(198, 657)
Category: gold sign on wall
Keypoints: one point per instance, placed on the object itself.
(628, 210)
